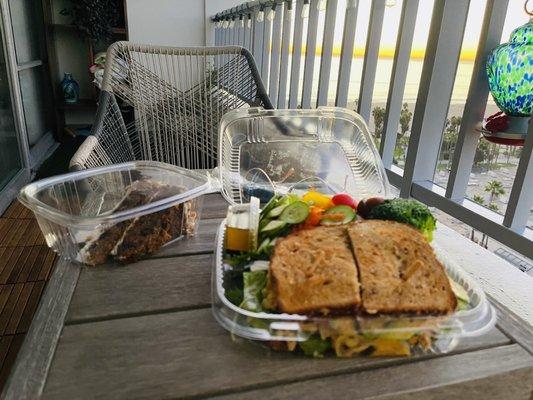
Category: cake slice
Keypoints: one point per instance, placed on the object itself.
(313, 272)
(398, 270)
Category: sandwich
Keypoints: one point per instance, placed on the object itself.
(367, 267)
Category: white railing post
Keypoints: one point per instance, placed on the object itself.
(267, 43)
(327, 52)
(248, 32)
(275, 55)
(310, 50)
(402, 55)
(370, 63)
(284, 63)
(476, 101)
(436, 84)
(521, 197)
(348, 41)
(296, 54)
(258, 36)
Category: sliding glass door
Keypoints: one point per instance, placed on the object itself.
(10, 155)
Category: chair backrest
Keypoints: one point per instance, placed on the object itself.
(177, 97)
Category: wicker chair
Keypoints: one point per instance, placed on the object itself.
(175, 98)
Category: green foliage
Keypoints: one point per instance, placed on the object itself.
(96, 17)
(482, 152)
(493, 207)
(449, 138)
(378, 113)
(478, 199)
(405, 119)
(495, 189)
(407, 211)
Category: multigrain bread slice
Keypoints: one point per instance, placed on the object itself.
(313, 272)
(398, 270)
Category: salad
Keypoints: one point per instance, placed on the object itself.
(248, 283)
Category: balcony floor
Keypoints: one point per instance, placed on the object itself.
(26, 264)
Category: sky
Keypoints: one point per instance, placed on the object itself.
(514, 18)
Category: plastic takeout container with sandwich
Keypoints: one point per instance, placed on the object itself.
(330, 150)
(118, 213)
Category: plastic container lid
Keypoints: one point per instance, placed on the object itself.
(264, 151)
(478, 319)
(88, 198)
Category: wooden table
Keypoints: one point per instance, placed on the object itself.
(146, 331)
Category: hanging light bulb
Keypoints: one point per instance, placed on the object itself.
(272, 13)
(321, 5)
(249, 22)
(241, 19)
(390, 3)
(305, 9)
(232, 23)
(260, 15)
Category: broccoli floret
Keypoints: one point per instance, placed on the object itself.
(407, 211)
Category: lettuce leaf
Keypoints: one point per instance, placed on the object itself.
(315, 346)
(254, 283)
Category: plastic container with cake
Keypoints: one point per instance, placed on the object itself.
(118, 213)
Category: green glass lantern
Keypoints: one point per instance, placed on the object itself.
(510, 73)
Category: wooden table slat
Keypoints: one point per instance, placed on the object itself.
(144, 287)
(185, 353)
(440, 376)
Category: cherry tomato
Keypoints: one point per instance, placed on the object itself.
(343, 199)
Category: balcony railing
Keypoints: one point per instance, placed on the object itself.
(274, 32)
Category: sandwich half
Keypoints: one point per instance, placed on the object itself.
(313, 272)
(398, 270)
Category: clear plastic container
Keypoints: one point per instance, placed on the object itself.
(330, 149)
(436, 334)
(116, 213)
(262, 151)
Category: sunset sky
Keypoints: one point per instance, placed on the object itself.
(515, 17)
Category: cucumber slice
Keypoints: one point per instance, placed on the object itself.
(347, 212)
(270, 205)
(263, 246)
(295, 213)
(273, 226)
(276, 212)
(459, 292)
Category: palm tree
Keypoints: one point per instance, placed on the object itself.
(479, 199)
(495, 189)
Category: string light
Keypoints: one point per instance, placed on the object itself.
(260, 15)
(272, 13)
(305, 9)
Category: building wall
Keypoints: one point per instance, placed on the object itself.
(174, 22)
